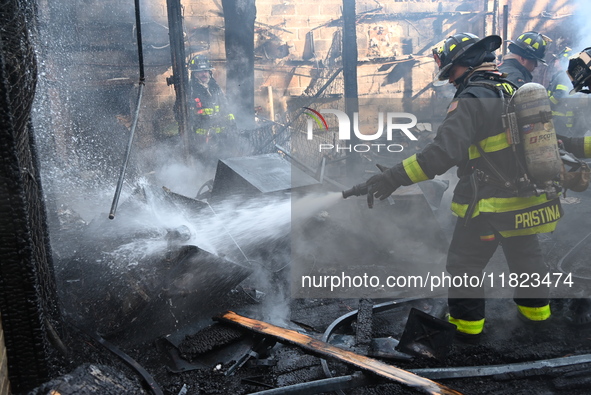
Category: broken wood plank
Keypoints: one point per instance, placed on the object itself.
(326, 350)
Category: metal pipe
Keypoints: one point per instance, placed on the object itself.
(127, 152)
(492, 370)
(357, 379)
(140, 49)
(140, 52)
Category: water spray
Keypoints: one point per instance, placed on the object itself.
(229, 234)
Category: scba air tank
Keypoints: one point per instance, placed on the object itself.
(540, 147)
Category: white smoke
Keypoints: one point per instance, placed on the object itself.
(582, 25)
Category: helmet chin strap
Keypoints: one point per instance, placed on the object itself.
(473, 63)
(461, 78)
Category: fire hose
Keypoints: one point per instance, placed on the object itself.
(575, 249)
(148, 379)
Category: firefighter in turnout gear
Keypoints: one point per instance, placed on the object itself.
(525, 52)
(519, 75)
(579, 73)
(558, 89)
(208, 108)
(491, 207)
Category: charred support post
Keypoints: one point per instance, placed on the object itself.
(350, 72)
(180, 78)
(485, 18)
(363, 330)
(495, 22)
(505, 27)
(239, 19)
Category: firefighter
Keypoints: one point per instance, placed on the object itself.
(525, 52)
(562, 110)
(211, 119)
(472, 138)
(579, 73)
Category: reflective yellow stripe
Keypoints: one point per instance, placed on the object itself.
(489, 144)
(558, 87)
(569, 119)
(469, 327)
(536, 313)
(587, 147)
(507, 87)
(500, 205)
(546, 228)
(413, 169)
(208, 111)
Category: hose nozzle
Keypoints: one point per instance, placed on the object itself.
(358, 190)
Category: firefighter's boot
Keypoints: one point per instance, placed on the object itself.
(467, 331)
(534, 315)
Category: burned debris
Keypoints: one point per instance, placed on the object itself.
(245, 270)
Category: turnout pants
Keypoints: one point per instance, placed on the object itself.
(471, 248)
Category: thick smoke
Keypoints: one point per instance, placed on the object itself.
(582, 25)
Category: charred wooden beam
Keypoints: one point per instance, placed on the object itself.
(325, 350)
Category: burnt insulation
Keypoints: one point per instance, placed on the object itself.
(208, 339)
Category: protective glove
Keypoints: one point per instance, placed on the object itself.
(382, 185)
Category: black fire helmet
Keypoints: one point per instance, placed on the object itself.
(465, 49)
